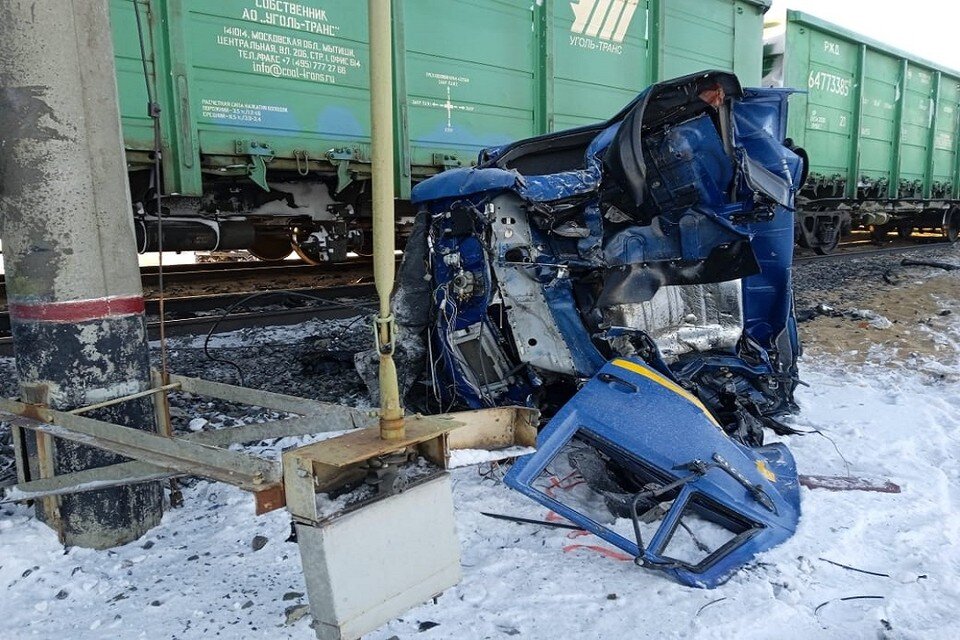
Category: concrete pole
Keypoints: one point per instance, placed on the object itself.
(73, 283)
(384, 261)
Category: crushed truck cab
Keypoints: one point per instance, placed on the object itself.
(631, 280)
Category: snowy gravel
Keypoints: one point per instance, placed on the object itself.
(213, 569)
(200, 572)
(843, 282)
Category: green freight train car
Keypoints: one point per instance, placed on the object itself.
(261, 116)
(879, 126)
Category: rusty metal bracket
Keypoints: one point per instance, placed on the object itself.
(385, 341)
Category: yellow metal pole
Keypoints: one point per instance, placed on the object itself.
(381, 111)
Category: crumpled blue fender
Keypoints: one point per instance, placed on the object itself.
(657, 433)
(467, 181)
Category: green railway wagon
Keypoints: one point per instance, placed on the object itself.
(262, 106)
(879, 127)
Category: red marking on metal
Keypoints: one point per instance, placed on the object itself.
(849, 483)
(270, 499)
(609, 553)
(77, 310)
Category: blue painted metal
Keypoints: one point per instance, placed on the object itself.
(468, 181)
(639, 421)
(761, 122)
(697, 205)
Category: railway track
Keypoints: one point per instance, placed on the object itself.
(216, 272)
(227, 271)
(196, 315)
(866, 249)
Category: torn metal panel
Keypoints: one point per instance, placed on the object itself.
(658, 478)
(686, 319)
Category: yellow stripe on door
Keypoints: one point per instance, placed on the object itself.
(669, 384)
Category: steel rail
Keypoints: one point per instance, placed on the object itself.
(335, 303)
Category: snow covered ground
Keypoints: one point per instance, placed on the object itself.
(205, 572)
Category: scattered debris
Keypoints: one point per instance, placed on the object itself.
(848, 483)
(821, 310)
(295, 613)
(820, 606)
(846, 566)
(542, 523)
(712, 602)
(873, 318)
(919, 333)
(936, 264)
(259, 542)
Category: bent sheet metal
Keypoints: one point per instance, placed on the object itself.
(660, 479)
(662, 239)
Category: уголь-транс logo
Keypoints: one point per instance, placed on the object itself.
(604, 19)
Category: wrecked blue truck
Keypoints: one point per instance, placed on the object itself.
(632, 281)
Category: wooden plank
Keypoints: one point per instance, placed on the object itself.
(364, 444)
(494, 428)
(236, 468)
(136, 472)
(114, 475)
(161, 406)
(20, 454)
(46, 459)
(270, 500)
(46, 450)
(266, 399)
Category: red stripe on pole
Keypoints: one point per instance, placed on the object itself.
(76, 310)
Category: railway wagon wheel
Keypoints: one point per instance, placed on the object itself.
(878, 233)
(905, 230)
(828, 246)
(951, 225)
(828, 238)
(308, 254)
(270, 248)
